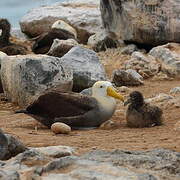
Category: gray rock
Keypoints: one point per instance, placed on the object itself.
(86, 66)
(144, 64)
(2, 55)
(128, 77)
(159, 98)
(9, 175)
(27, 76)
(129, 49)
(83, 16)
(101, 41)
(10, 146)
(60, 47)
(140, 56)
(146, 21)
(56, 151)
(175, 90)
(87, 169)
(99, 165)
(3, 145)
(161, 162)
(169, 58)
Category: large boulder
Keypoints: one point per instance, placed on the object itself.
(84, 16)
(147, 21)
(169, 57)
(87, 69)
(26, 76)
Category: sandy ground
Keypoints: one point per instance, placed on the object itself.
(23, 127)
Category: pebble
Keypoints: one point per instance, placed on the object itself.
(60, 128)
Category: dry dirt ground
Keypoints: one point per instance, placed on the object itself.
(23, 127)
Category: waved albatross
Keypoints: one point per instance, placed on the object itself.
(140, 114)
(74, 109)
(5, 45)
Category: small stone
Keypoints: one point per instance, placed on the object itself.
(161, 97)
(108, 125)
(60, 128)
(177, 126)
(124, 89)
(129, 49)
(175, 90)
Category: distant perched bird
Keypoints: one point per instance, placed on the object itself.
(5, 45)
(44, 41)
(141, 114)
(76, 110)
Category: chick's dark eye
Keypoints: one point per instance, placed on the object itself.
(101, 86)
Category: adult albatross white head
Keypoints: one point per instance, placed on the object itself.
(75, 109)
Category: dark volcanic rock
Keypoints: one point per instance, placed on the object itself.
(10, 146)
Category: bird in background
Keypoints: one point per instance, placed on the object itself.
(5, 45)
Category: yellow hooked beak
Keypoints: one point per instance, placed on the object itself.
(112, 92)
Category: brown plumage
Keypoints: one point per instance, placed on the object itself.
(141, 114)
(5, 45)
(74, 109)
(44, 41)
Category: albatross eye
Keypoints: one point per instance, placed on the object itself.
(101, 86)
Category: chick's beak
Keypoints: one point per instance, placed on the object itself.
(127, 102)
(112, 92)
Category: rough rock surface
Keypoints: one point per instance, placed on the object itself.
(159, 98)
(146, 21)
(115, 165)
(86, 66)
(2, 55)
(84, 16)
(101, 41)
(60, 47)
(175, 90)
(145, 65)
(55, 151)
(24, 77)
(169, 58)
(128, 77)
(10, 146)
(129, 49)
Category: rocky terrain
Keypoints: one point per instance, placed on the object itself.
(144, 57)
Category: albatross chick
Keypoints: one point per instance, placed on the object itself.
(140, 114)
